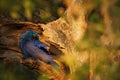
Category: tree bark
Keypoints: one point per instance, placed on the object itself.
(60, 35)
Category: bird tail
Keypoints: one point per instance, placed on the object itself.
(57, 67)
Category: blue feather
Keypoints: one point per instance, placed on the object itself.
(32, 47)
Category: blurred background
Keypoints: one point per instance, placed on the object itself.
(32, 10)
(101, 40)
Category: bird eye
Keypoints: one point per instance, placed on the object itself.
(34, 37)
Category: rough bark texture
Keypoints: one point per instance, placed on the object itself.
(60, 35)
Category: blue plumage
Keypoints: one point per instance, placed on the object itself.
(32, 47)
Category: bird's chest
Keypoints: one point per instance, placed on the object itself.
(24, 48)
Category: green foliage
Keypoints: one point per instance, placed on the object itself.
(115, 13)
(31, 10)
(43, 77)
(15, 71)
(95, 17)
(115, 72)
(97, 3)
(81, 73)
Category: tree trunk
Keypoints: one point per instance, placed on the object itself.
(60, 35)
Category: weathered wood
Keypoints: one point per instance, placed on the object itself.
(60, 35)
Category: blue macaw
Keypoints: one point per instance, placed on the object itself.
(32, 47)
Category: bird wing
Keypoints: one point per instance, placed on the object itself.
(35, 52)
(41, 46)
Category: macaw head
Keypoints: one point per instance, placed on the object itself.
(29, 35)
